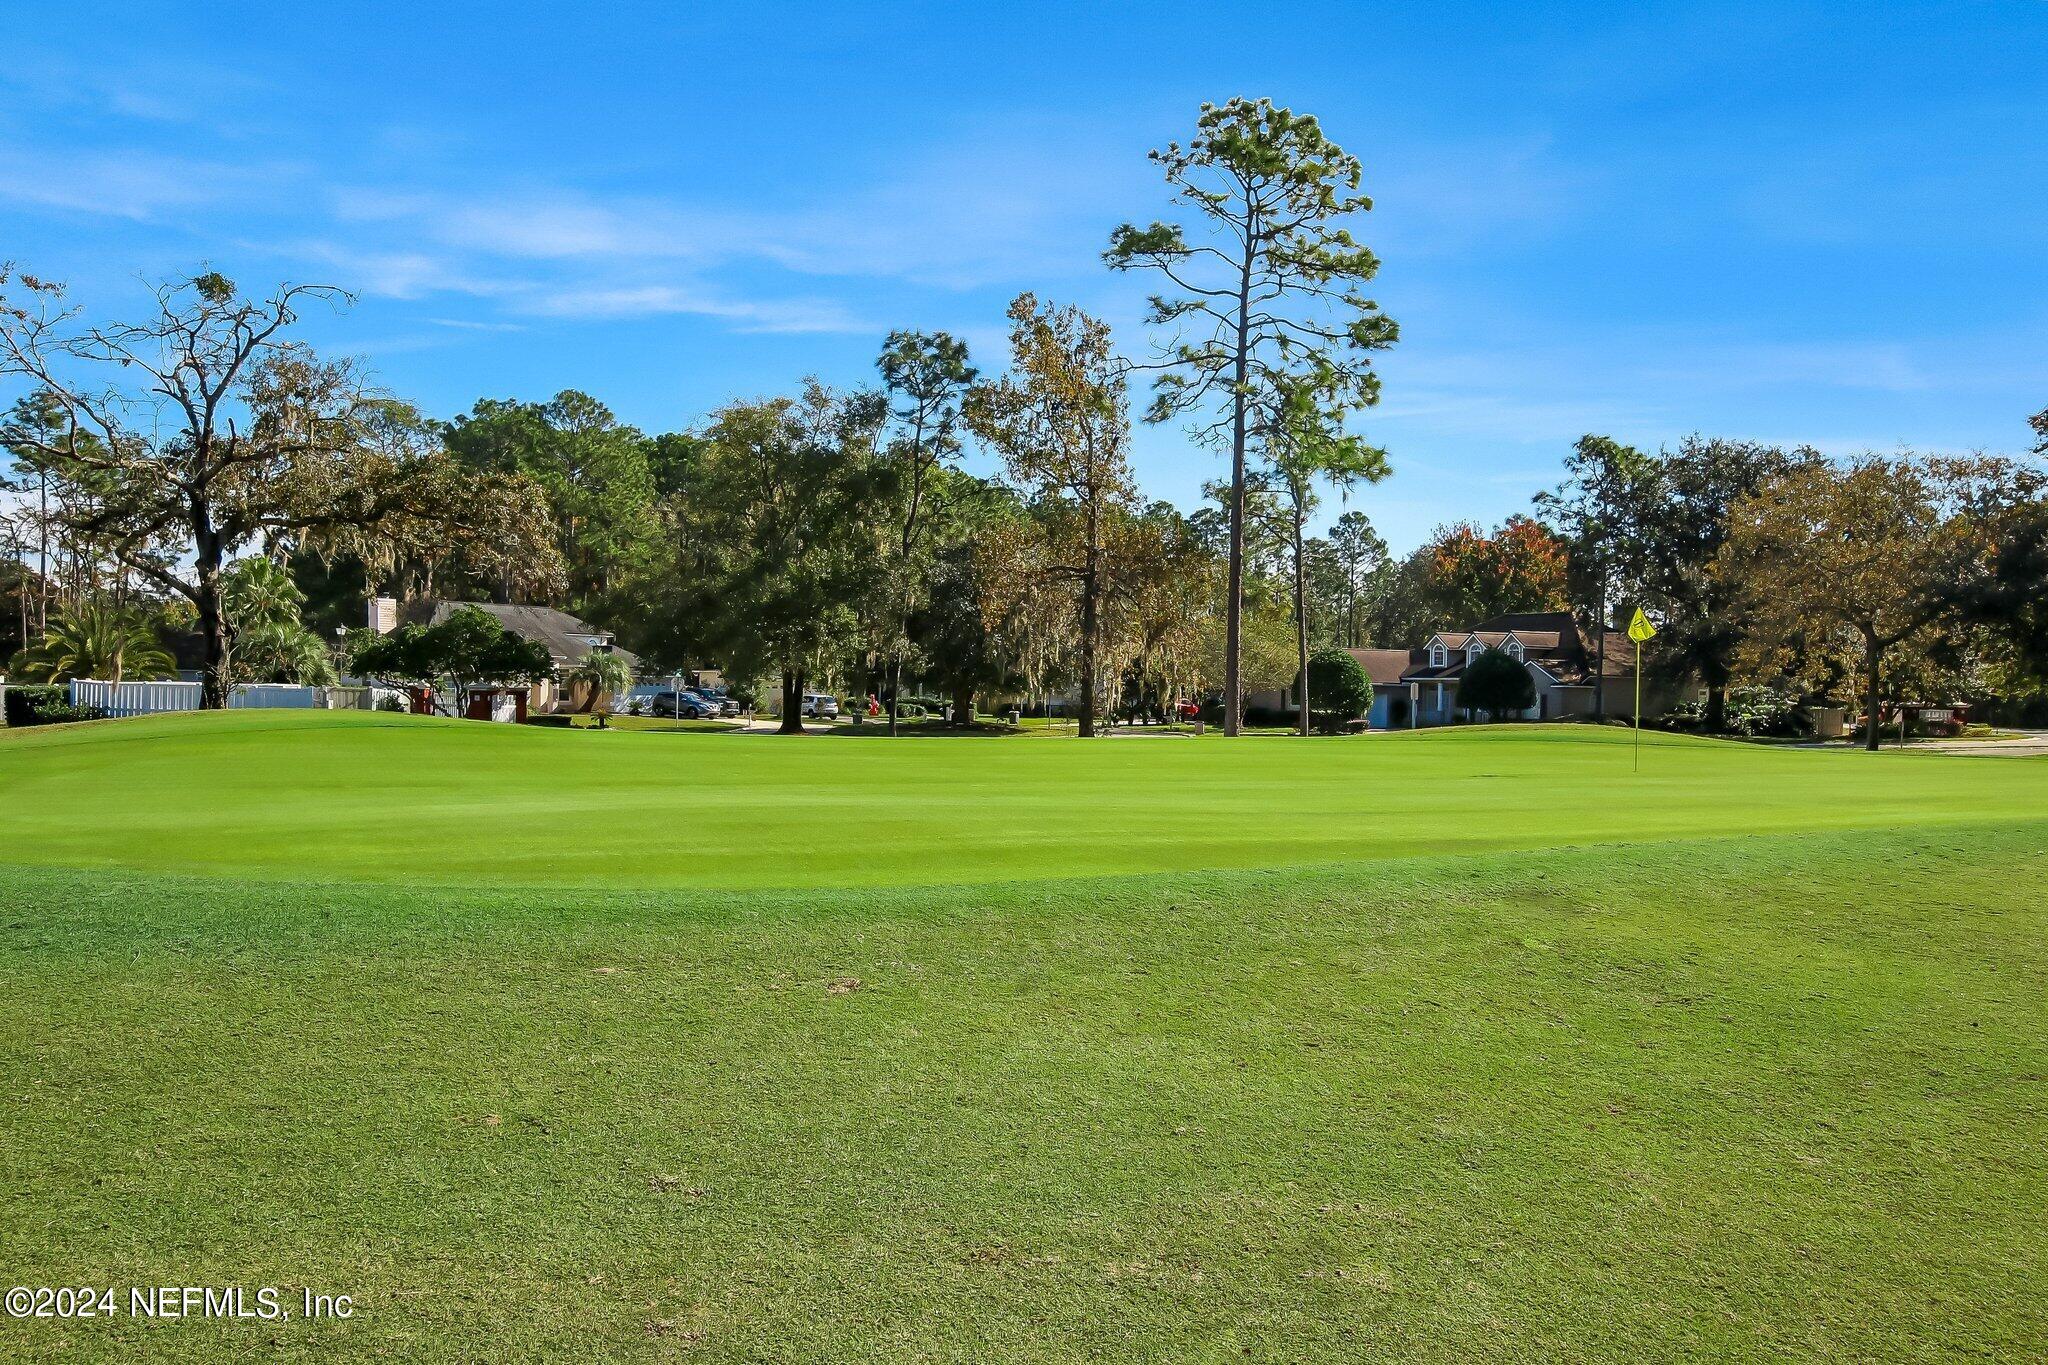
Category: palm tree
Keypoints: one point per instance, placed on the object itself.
(267, 640)
(283, 651)
(607, 676)
(95, 640)
(260, 592)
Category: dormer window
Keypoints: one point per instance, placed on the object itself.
(1514, 649)
(1437, 656)
(1473, 651)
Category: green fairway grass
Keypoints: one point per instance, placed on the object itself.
(368, 797)
(1455, 1046)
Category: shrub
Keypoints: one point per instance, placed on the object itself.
(45, 705)
(1753, 712)
(1497, 683)
(1686, 718)
(1766, 711)
(1338, 689)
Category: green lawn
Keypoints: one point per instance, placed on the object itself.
(1461, 1046)
(402, 799)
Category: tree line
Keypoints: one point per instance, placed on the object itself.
(202, 484)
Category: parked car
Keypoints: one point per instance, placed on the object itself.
(720, 699)
(818, 706)
(683, 706)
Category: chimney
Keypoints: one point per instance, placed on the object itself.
(383, 614)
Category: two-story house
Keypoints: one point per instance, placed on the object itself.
(1563, 663)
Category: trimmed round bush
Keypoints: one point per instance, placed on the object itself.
(1498, 684)
(1338, 688)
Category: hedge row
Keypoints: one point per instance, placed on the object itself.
(41, 704)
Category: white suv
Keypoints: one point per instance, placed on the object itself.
(818, 706)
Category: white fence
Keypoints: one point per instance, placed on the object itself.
(151, 698)
(135, 698)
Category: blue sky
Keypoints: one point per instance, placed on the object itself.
(1797, 223)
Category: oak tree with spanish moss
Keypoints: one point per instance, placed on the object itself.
(203, 429)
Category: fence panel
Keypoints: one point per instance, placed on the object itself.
(153, 698)
(135, 698)
(265, 696)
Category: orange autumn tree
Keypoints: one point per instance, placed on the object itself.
(1470, 575)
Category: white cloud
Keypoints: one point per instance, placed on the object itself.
(551, 225)
(1509, 412)
(773, 315)
(132, 185)
(998, 206)
(398, 274)
(1987, 362)
(472, 325)
(160, 92)
(1001, 205)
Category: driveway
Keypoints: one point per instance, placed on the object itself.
(2026, 744)
(765, 724)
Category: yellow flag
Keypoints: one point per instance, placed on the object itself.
(1640, 629)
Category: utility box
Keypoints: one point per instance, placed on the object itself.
(1829, 722)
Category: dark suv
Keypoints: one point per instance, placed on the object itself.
(683, 706)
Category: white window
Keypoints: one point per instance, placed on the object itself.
(1473, 651)
(1436, 656)
(1514, 648)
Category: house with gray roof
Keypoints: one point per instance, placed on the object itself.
(569, 639)
(1412, 688)
(1573, 675)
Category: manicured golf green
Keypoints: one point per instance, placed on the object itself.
(313, 796)
(1468, 1046)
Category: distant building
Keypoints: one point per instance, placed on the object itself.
(1393, 702)
(1417, 687)
(1564, 665)
(569, 639)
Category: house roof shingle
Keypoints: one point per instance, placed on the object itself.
(1386, 667)
(568, 638)
(1557, 622)
(1550, 639)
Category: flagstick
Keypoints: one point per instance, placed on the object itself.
(1639, 706)
(1639, 630)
